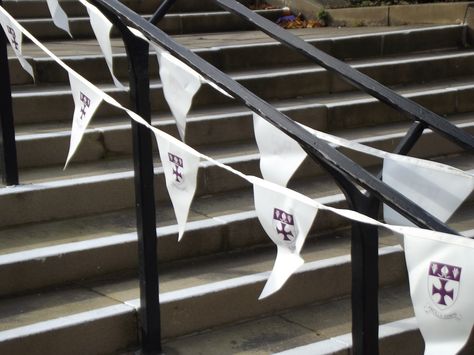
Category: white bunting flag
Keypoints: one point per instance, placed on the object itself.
(87, 99)
(180, 84)
(441, 274)
(439, 189)
(287, 222)
(15, 37)
(102, 27)
(60, 19)
(280, 155)
(180, 167)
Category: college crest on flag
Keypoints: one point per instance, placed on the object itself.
(280, 155)
(180, 168)
(15, 37)
(441, 276)
(86, 101)
(287, 222)
(443, 284)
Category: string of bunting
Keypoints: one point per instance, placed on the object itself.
(444, 310)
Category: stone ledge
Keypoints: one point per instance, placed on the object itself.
(395, 15)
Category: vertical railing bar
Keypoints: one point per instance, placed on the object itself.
(8, 155)
(161, 11)
(364, 263)
(365, 282)
(150, 318)
(137, 55)
(409, 140)
(411, 137)
(149, 314)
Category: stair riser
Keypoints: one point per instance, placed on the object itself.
(273, 55)
(291, 85)
(366, 114)
(399, 337)
(99, 196)
(115, 194)
(37, 109)
(192, 314)
(43, 151)
(265, 56)
(109, 334)
(44, 29)
(37, 9)
(121, 256)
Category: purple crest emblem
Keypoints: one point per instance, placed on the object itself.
(12, 34)
(178, 164)
(86, 102)
(284, 224)
(443, 284)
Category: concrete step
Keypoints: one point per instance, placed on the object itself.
(185, 300)
(46, 143)
(39, 9)
(244, 51)
(57, 252)
(107, 178)
(443, 97)
(295, 81)
(175, 24)
(67, 322)
(401, 336)
(296, 328)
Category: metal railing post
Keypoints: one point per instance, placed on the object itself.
(137, 55)
(365, 281)
(161, 11)
(149, 313)
(364, 265)
(8, 158)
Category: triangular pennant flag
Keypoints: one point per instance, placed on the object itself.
(180, 167)
(439, 189)
(60, 19)
(280, 155)
(15, 37)
(102, 27)
(441, 274)
(287, 222)
(180, 84)
(86, 101)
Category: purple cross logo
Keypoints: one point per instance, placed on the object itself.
(443, 284)
(284, 224)
(12, 34)
(178, 163)
(86, 102)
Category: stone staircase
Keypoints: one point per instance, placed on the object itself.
(68, 247)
